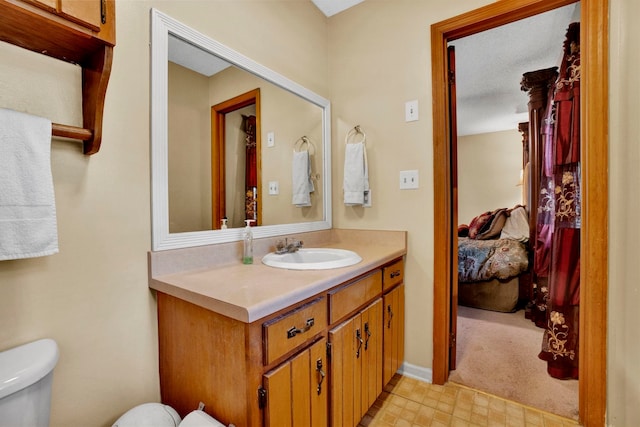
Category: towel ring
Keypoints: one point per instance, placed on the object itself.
(297, 146)
(354, 133)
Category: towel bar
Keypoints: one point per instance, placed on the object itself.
(67, 131)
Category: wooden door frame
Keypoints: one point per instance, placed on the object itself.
(594, 104)
(218, 168)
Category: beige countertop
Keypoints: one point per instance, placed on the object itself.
(251, 292)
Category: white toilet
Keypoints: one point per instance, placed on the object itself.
(26, 374)
(159, 415)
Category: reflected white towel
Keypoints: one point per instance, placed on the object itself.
(27, 206)
(301, 177)
(356, 174)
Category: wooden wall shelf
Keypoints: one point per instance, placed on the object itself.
(52, 30)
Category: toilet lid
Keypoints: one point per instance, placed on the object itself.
(149, 415)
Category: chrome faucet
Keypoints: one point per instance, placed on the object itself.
(286, 247)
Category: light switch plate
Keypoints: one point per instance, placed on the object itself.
(274, 188)
(411, 111)
(409, 180)
(367, 199)
(271, 139)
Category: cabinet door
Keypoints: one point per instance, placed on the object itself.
(356, 366)
(343, 363)
(319, 385)
(50, 5)
(393, 332)
(83, 12)
(87, 13)
(371, 355)
(297, 391)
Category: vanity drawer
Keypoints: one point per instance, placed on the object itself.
(292, 329)
(349, 298)
(393, 274)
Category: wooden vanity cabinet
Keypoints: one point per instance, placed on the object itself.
(318, 363)
(207, 357)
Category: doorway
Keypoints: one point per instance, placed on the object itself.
(499, 327)
(594, 248)
(236, 161)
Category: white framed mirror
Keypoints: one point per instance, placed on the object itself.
(171, 41)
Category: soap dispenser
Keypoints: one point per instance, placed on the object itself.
(247, 256)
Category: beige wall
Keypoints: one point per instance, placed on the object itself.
(489, 167)
(189, 148)
(385, 47)
(93, 298)
(623, 350)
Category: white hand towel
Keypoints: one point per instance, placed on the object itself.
(356, 174)
(301, 177)
(27, 206)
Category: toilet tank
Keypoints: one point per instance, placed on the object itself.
(26, 374)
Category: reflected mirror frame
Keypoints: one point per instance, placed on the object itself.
(161, 26)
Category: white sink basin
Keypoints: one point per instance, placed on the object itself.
(312, 259)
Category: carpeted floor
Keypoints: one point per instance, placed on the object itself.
(498, 353)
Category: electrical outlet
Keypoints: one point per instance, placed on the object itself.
(409, 180)
(411, 111)
(274, 188)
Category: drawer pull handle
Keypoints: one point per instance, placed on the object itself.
(368, 332)
(394, 274)
(359, 338)
(390, 316)
(293, 331)
(320, 374)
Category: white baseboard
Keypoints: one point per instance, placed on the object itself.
(416, 372)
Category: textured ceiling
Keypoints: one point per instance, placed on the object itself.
(489, 67)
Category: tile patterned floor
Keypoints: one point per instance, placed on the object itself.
(407, 402)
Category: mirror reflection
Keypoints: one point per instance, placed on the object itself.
(231, 140)
(231, 137)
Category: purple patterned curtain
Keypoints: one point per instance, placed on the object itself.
(557, 246)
